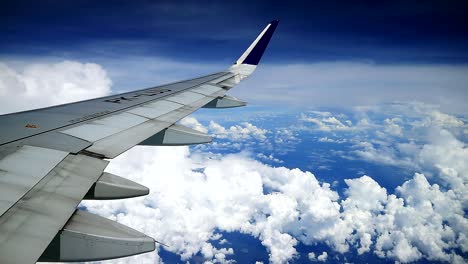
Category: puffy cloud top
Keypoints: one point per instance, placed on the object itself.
(44, 84)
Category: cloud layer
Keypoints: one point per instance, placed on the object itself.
(192, 201)
(195, 196)
(204, 194)
(347, 84)
(44, 84)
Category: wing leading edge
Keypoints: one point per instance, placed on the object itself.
(66, 148)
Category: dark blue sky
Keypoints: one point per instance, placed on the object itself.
(310, 31)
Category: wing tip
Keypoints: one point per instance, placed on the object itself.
(255, 52)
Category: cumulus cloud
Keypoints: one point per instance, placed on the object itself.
(448, 155)
(244, 131)
(378, 153)
(44, 84)
(190, 202)
(193, 123)
(331, 140)
(245, 136)
(311, 256)
(421, 220)
(270, 157)
(392, 126)
(186, 206)
(323, 257)
(399, 134)
(325, 121)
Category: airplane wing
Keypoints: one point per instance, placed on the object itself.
(52, 158)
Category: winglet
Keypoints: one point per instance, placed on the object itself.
(255, 51)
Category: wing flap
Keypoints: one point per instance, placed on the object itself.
(114, 145)
(208, 89)
(30, 225)
(177, 135)
(58, 141)
(88, 237)
(101, 128)
(23, 169)
(185, 98)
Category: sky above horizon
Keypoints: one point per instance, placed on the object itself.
(353, 146)
(214, 31)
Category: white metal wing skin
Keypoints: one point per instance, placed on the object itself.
(52, 158)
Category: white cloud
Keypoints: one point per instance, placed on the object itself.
(324, 121)
(445, 120)
(378, 153)
(270, 157)
(392, 127)
(401, 134)
(323, 257)
(242, 135)
(449, 156)
(423, 222)
(244, 131)
(185, 207)
(193, 123)
(331, 140)
(45, 84)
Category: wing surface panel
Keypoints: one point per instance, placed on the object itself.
(155, 109)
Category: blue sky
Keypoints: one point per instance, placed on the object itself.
(311, 31)
(353, 146)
